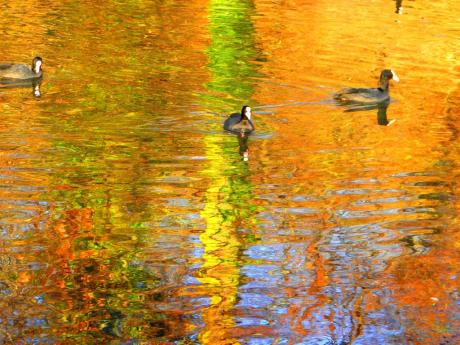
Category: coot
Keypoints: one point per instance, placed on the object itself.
(22, 71)
(240, 123)
(352, 96)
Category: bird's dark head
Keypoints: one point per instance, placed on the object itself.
(246, 112)
(389, 74)
(37, 64)
(385, 77)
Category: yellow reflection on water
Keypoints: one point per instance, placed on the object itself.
(220, 270)
(226, 198)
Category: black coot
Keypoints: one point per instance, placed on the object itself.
(240, 123)
(22, 71)
(353, 96)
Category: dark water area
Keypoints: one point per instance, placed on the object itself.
(128, 216)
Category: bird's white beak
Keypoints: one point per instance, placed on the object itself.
(37, 66)
(395, 77)
(248, 113)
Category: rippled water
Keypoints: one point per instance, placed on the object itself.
(129, 217)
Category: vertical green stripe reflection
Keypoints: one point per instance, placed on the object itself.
(228, 196)
(232, 51)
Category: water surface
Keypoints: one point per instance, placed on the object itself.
(129, 217)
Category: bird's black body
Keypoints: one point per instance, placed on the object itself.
(355, 96)
(18, 72)
(240, 123)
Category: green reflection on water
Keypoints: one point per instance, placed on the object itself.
(232, 52)
(228, 197)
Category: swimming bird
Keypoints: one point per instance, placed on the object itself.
(353, 96)
(22, 71)
(240, 123)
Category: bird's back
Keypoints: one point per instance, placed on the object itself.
(235, 123)
(17, 71)
(232, 120)
(361, 95)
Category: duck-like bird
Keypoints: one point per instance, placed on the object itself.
(357, 96)
(22, 71)
(240, 123)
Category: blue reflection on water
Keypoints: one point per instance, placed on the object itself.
(273, 252)
(254, 300)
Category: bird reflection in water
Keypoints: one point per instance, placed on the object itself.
(243, 146)
(382, 107)
(399, 8)
(35, 84)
